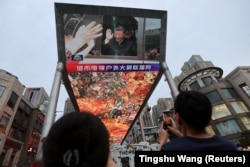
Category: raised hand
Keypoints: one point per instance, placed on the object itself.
(83, 36)
(109, 35)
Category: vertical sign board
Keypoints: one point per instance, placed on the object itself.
(113, 60)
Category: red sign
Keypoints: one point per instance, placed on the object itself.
(40, 117)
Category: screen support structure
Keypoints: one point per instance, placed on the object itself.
(142, 128)
(50, 115)
(170, 80)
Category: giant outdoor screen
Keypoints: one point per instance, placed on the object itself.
(112, 58)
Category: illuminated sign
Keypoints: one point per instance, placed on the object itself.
(71, 67)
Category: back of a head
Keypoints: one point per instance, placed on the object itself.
(78, 139)
(194, 108)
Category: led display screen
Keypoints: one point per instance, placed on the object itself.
(113, 60)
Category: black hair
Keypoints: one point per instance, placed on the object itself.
(119, 28)
(78, 139)
(194, 108)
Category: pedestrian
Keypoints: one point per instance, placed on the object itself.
(77, 139)
(192, 113)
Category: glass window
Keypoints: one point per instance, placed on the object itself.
(17, 134)
(245, 89)
(220, 111)
(214, 96)
(210, 130)
(194, 59)
(230, 93)
(184, 72)
(32, 94)
(2, 88)
(194, 85)
(246, 122)
(207, 80)
(4, 121)
(204, 64)
(239, 107)
(12, 100)
(228, 127)
(36, 94)
(26, 121)
(19, 114)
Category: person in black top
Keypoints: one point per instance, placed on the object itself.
(116, 43)
(192, 113)
(77, 139)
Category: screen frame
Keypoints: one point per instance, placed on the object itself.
(64, 8)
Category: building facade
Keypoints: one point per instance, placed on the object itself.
(21, 120)
(28, 121)
(36, 96)
(11, 90)
(229, 97)
(68, 106)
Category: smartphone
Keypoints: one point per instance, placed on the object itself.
(167, 121)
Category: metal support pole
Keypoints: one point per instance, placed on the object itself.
(170, 80)
(142, 128)
(49, 117)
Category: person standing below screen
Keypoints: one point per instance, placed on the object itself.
(77, 139)
(117, 44)
(192, 113)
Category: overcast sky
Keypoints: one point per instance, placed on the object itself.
(218, 30)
